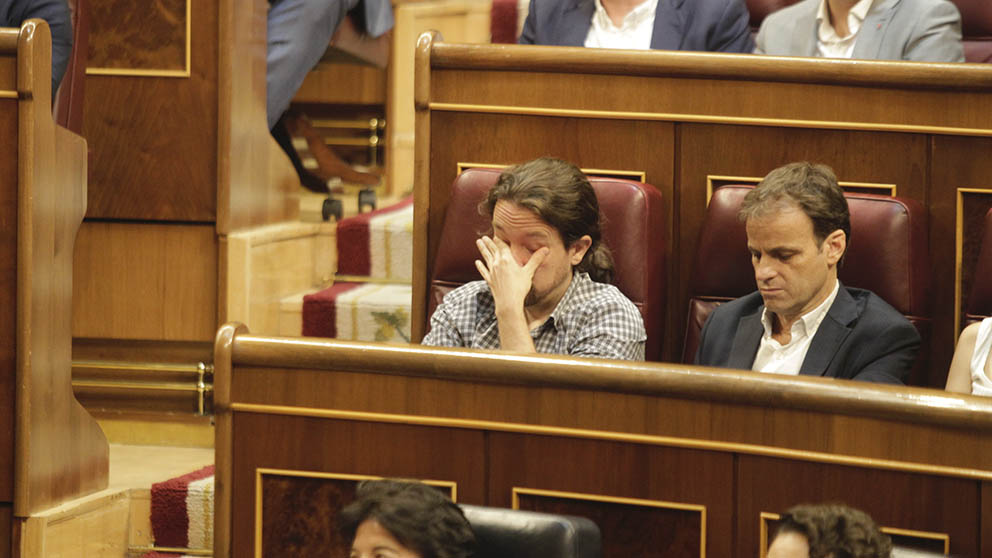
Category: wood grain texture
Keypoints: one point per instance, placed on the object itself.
(125, 271)
(394, 451)
(138, 36)
(154, 140)
(255, 183)
(59, 452)
(617, 430)
(893, 499)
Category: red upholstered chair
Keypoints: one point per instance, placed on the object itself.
(888, 254)
(759, 9)
(976, 28)
(68, 100)
(979, 304)
(633, 228)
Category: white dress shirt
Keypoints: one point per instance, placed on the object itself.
(788, 359)
(831, 45)
(634, 32)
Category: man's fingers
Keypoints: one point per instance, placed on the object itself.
(485, 248)
(483, 270)
(536, 259)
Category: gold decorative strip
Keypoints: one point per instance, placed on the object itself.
(367, 279)
(959, 252)
(517, 491)
(137, 72)
(5, 94)
(711, 179)
(171, 550)
(452, 486)
(709, 119)
(650, 439)
(766, 516)
(639, 176)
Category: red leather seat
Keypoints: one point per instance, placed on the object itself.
(633, 228)
(887, 254)
(979, 304)
(976, 29)
(68, 100)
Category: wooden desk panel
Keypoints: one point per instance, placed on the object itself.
(628, 443)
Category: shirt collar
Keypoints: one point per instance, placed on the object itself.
(810, 321)
(859, 12)
(643, 11)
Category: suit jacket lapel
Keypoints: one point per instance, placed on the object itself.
(873, 29)
(575, 22)
(803, 42)
(668, 25)
(746, 341)
(832, 332)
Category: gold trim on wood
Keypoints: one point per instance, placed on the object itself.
(959, 252)
(935, 536)
(8, 94)
(708, 119)
(711, 178)
(639, 176)
(670, 441)
(261, 471)
(517, 491)
(140, 72)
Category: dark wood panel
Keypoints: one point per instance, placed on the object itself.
(746, 151)
(955, 166)
(138, 35)
(606, 145)
(341, 447)
(8, 295)
(614, 470)
(911, 501)
(986, 517)
(153, 140)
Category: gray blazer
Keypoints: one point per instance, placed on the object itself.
(919, 30)
(701, 25)
(861, 338)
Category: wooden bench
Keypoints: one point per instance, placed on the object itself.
(51, 450)
(669, 460)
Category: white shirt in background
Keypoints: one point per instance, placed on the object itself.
(634, 32)
(831, 45)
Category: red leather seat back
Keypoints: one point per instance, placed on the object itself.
(759, 9)
(68, 105)
(976, 29)
(979, 304)
(633, 228)
(887, 254)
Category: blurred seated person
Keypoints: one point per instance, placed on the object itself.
(918, 30)
(398, 519)
(702, 25)
(546, 274)
(971, 367)
(59, 19)
(828, 531)
(801, 320)
(299, 32)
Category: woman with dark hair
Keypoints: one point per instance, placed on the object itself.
(400, 519)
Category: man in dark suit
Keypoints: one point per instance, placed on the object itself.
(802, 320)
(701, 25)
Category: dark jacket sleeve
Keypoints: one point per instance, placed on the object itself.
(56, 14)
(528, 35)
(734, 31)
(889, 356)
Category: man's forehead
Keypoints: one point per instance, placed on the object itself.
(508, 215)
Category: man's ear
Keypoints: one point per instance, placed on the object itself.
(578, 249)
(835, 244)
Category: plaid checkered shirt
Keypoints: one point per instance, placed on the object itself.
(592, 320)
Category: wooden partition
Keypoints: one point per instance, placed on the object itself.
(691, 122)
(51, 450)
(669, 460)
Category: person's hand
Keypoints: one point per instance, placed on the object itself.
(508, 280)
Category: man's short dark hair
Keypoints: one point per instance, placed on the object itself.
(418, 516)
(561, 195)
(812, 188)
(836, 531)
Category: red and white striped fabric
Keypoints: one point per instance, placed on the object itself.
(378, 244)
(183, 511)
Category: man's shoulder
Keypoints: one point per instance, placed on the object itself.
(744, 305)
(874, 311)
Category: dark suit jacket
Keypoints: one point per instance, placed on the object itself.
(861, 338)
(56, 13)
(703, 25)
